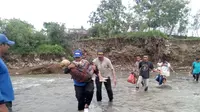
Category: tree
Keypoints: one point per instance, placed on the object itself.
(22, 33)
(175, 11)
(2, 26)
(148, 13)
(55, 32)
(97, 30)
(196, 22)
(182, 30)
(165, 14)
(110, 15)
(28, 40)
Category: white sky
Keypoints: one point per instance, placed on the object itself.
(74, 13)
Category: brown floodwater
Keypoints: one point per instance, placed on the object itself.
(55, 93)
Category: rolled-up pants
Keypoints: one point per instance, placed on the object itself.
(140, 79)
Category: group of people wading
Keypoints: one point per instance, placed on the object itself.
(85, 73)
(101, 70)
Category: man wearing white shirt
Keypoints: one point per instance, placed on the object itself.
(106, 69)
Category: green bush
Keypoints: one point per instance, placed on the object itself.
(135, 35)
(50, 49)
(149, 34)
(70, 58)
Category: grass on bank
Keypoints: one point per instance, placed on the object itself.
(43, 49)
(57, 49)
(149, 34)
(133, 35)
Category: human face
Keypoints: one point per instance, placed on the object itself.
(77, 59)
(145, 58)
(4, 48)
(101, 57)
(138, 58)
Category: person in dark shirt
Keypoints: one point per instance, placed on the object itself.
(145, 67)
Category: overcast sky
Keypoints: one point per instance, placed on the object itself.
(72, 12)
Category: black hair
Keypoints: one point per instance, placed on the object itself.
(138, 56)
(146, 55)
(4, 44)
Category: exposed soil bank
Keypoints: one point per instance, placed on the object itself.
(180, 53)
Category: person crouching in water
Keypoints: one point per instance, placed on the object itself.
(196, 69)
(164, 72)
(145, 67)
(82, 75)
(159, 77)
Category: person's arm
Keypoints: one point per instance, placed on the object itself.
(140, 65)
(170, 67)
(66, 70)
(99, 73)
(112, 68)
(192, 68)
(151, 66)
(91, 70)
(134, 66)
(3, 107)
(113, 72)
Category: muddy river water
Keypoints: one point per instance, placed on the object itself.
(55, 93)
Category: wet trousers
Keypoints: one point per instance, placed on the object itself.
(108, 87)
(9, 106)
(84, 94)
(196, 76)
(145, 81)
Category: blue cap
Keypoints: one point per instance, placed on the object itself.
(4, 40)
(78, 53)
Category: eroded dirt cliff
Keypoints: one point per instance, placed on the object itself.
(121, 51)
(181, 53)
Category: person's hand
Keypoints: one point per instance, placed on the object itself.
(100, 78)
(71, 66)
(3, 108)
(154, 70)
(115, 81)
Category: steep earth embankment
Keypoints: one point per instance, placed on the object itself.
(33, 64)
(180, 53)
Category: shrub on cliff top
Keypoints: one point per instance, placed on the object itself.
(134, 35)
(50, 49)
(149, 34)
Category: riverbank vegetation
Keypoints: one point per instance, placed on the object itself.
(167, 19)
